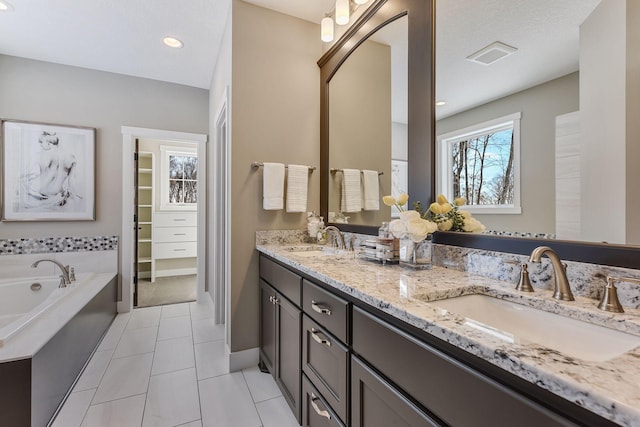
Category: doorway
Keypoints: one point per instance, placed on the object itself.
(165, 222)
(129, 238)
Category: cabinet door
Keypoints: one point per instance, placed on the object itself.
(267, 325)
(288, 342)
(375, 403)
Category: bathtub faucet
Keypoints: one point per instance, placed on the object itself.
(64, 278)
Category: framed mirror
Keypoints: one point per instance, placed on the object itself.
(356, 131)
(610, 196)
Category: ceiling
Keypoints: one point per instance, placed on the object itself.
(124, 36)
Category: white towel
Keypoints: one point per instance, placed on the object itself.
(297, 183)
(351, 198)
(273, 186)
(371, 190)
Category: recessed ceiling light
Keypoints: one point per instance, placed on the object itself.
(440, 103)
(5, 7)
(172, 42)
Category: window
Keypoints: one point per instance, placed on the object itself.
(179, 178)
(482, 164)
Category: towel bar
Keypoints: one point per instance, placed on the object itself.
(333, 170)
(256, 165)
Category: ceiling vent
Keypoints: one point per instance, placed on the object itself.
(492, 53)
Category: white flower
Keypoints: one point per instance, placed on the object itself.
(402, 199)
(409, 215)
(473, 225)
(465, 214)
(419, 228)
(445, 225)
(398, 228)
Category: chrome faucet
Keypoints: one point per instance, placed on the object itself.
(562, 290)
(64, 278)
(335, 237)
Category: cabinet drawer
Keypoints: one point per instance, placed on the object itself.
(172, 219)
(315, 411)
(284, 281)
(175, 234)
(327, 309)
(453, 392)
(325, 361)
(375, 403)
(175, 250)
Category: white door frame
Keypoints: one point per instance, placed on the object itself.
(221, 246)
(129, 135)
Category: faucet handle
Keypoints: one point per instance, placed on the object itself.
(524, 285)
(609, 300)
(72, 273)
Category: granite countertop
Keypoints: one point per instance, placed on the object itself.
(610, 389)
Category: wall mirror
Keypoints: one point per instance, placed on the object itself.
(570, 80)
(376, 85)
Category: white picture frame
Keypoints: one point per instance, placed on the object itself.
(48, 172)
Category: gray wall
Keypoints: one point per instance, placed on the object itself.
(539, 106)
(275, 118)
(360, 124)
(45, 92)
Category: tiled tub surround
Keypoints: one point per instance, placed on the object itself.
(609, 389)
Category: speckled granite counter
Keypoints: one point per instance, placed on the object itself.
(610, 389)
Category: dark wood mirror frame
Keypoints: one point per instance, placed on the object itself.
(421, 91)
(421, 135)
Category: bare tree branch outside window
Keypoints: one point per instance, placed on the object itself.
(483, 168)
(183, 179)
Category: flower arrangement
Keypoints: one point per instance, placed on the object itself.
(411, 223)
(449, 216)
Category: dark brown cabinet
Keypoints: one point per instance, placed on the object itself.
(325, 361)
(339, 362)
(375, 403)
(280, 341)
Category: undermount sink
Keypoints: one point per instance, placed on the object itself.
(312, 253)
(521, 324)
(316, 251)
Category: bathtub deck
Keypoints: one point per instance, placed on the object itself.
(34, 336)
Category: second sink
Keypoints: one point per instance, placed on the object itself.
(521, 324)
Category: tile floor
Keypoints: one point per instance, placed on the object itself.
(165, 366)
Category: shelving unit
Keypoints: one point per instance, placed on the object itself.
(145, 261)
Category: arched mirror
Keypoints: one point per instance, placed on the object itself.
(377, 111)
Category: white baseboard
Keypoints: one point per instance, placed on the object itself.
(176, 272)
(243, 359)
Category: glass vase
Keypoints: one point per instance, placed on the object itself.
(418, 256)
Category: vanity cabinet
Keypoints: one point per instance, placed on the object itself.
(280, 338)
(349, 364)
(451, 391)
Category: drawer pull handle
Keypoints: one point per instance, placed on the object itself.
(271, 299)
(316, 337)
(320, 309)
(179, 250)
(322, 413)
(179, 219)
(179, 234)
(275, 301)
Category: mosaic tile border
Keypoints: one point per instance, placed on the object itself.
(35, 245)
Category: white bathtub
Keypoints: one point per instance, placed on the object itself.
(22, 301)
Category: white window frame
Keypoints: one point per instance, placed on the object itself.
(165, 152)
(444, 177)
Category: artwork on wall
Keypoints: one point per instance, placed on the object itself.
(48, 172)
(399, 181)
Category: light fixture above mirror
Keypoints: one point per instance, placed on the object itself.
(342, 12)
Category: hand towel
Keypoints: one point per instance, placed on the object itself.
(273, 186)
(371, 190)
(351, 198)
(297, 183)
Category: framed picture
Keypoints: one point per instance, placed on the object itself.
(48, 172)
